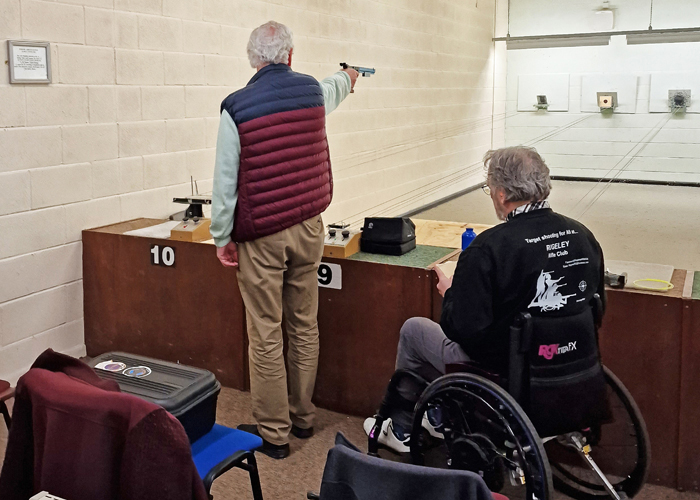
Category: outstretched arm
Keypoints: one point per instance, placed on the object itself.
(337, 87)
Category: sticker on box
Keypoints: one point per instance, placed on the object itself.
(110, 366)
(137, 371)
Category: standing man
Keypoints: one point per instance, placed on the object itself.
(272, 181)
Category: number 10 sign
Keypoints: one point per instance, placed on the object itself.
(330, 276)
(162, 256)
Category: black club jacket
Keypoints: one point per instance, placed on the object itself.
(540, 262)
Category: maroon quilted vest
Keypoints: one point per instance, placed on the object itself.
(284, 176)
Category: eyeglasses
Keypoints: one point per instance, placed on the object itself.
(486, 189)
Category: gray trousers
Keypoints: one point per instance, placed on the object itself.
(423, 349)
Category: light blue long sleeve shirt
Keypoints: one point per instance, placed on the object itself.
(228, 150)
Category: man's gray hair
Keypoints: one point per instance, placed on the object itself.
(520, 171)
(269, 44)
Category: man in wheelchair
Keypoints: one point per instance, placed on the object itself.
(538, 262)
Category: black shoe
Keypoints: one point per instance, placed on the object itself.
(276, 451)
(302, 433)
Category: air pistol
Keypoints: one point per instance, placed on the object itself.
(359, 69)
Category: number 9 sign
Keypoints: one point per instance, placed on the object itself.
(330, 276)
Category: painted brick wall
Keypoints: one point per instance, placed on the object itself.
(133, 113)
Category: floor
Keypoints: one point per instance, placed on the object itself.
(633, 222)
(292, 478)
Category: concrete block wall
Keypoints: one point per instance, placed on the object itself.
(133, 109)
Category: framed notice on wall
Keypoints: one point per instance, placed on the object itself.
(30, 62)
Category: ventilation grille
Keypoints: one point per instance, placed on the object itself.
(149, 387)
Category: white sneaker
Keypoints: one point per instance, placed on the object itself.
(429, 427)
(387, 436)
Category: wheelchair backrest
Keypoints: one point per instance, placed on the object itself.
(566, 386)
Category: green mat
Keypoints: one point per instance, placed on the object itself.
(422, 256)
(696, 286)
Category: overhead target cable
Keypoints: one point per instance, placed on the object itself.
(463, 173)
(634, 151)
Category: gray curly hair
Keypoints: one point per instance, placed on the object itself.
(269, 44)
(520, 171)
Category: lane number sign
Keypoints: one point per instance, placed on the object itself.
(330, 276)
(162, 256)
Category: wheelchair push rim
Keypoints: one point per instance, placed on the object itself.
(625, 437)
(477, 407)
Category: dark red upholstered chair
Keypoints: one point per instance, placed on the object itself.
(6, 392)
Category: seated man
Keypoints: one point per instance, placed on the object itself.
(538, 261)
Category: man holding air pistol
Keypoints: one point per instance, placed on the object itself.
(272, 181)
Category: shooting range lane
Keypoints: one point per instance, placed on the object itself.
(189, 311)
(640, 341)
(192, 312)
(359, 328)
(407, 199)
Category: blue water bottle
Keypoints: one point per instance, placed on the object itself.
(467, 237)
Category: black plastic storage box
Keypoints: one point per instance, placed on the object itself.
(388, 235)
(188, 393)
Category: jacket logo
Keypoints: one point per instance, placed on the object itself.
(548, 296)
(549, 351)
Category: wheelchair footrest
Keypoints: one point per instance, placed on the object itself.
(576, 441)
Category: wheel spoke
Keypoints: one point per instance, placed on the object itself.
(489, 419)
(620, 448)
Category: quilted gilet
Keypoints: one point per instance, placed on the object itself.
(284, 176)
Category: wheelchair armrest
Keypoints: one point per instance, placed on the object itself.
(458, 367)
(235, 460)
(598, 311)
(518, 351)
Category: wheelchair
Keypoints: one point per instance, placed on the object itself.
(536, 430)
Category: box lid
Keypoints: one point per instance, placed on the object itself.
(175, 387)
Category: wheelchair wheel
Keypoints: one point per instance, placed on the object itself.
(486, 432)
(620, 448)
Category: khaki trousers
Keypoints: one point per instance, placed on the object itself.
(276, 275)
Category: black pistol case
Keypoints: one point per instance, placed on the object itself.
(388, 235)
(188, 393)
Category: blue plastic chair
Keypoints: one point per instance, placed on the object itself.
(223, 448)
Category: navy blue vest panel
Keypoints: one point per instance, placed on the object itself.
(285, 91)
